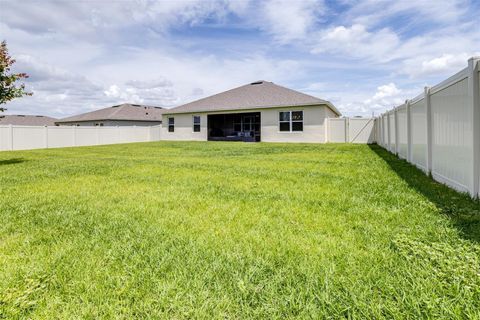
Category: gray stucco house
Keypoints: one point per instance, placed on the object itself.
(121, 115)
(258, 111)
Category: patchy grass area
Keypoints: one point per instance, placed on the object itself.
(232, 230)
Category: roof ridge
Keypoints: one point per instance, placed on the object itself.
(213, 95)
(116, 110)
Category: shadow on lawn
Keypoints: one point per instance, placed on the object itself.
(11, 161)
(462, 210)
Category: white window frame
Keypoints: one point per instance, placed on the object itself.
(168, 124)
(199, 123)
(291, 121)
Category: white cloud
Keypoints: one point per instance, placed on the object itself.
(157, 92)
(356, 41)
(385, 92)
(444, 64)
(289, 20)
(385, 97)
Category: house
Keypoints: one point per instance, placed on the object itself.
(26, 120)
(258, 111)
(121, 115)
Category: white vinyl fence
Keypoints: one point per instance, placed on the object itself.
(350, 130)
(37, 137)
(439, 130)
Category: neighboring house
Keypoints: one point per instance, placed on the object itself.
(26, 120)
(259, 111)
(122, 115)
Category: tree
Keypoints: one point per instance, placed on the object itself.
(9, 89)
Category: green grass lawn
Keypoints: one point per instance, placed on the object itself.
(232, 230)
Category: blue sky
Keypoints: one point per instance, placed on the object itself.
(364, 56)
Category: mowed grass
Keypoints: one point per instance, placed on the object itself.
(232, 231)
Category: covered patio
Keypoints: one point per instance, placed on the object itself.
(234, 127)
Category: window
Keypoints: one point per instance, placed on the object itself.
(196, 123)
(171, 124)
(290, 121)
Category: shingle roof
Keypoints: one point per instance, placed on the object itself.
(259, 94)
(126, 111)
(26, 120)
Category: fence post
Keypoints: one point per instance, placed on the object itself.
(409, 131)
(383, 130)
(378, 136)
(347, 137)
(45, 132)
(97, 134)
(395, 118)
(10, 131)
(428, 108)
(474, 103)
(388, 132)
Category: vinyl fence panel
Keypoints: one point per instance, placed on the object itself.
(28, 137)
(59, 137)
(5, 139)
(155, 133)
(440, 132)
(337, 130)
(419, 133)
(351, 130)
(86, 136)
(37, 137)
(361, 130)
(402, 131)
(391, 124)
(452, 136)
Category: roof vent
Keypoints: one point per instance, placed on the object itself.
(135, 105)
(118, 105)
(256, 82)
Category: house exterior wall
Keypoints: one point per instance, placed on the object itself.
(330, 113)
(184, 127)
(313, 125)
(113, 123)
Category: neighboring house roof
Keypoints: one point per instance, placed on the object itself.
(255, 95)
(122, 112)
(26, 120)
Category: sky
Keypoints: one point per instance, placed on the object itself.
(364, 56)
